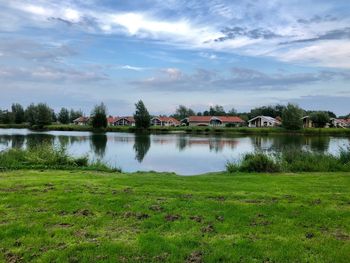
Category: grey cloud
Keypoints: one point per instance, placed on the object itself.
(337, 34)
(87, 23)
(237, 79)
(31, 50)
(257, 33)
(50, 74)
(317, 19)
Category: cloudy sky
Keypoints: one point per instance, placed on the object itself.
(236, 53)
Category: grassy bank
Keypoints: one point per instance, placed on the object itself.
(46, 156)
(194, 129)
(292, 160)
(75, 216)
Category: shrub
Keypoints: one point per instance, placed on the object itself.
(293, 160)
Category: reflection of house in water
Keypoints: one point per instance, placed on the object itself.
(214, 143)
(262, 143)
(122, 139)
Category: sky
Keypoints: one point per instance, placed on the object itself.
(237, 53)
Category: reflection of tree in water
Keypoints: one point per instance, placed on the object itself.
(35, 140)
(63, 140)
(281, 142)
(98, 144)
(319, 143)
(141, 146)
(5, 140)
(17, 141)
(182, 142)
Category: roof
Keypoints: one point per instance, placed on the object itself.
(345, 121)
(223, 119)
(268, 118)
(82, 119)
(111, 119)
(128, 118)
(167, 119)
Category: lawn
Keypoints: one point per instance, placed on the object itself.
(84, 216)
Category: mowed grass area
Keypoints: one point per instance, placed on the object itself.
(84, 216)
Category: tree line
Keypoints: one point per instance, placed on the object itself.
(41, 114)
(37, 115)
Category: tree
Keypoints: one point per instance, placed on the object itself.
(291, 117)
(272, 111)
(74, 115)
(30, 114)
(182, 112)
(63, 116)
(319, 118)
(44, 115)
(232, 112)
(217, 110)
(39, 115)
(99, 117)
(141, 116)
(18, 113)
(6, 117)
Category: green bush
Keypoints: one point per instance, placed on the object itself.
(48, 157)
(293, 160)
(259, 162)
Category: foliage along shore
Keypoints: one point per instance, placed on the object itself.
(186, 129)
(85, 216)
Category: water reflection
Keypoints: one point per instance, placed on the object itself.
(141, 146)
(36, 139)
(98, 144)
(279, 143)
(181, 153)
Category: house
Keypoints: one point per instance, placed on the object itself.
(340, 123)
(124, 121)
(213, 121)
(81, 120)
(111, 120)
(263, 121)
(307, 122)
(165, 121)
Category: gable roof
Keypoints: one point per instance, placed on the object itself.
(81, 119)
(128, 118)
(268, 118)
(167, 119)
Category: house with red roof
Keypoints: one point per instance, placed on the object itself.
(111, 120)
(213, 121)
(340, 123)
(165, 121)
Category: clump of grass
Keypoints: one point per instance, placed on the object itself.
(48, 157)
(292, 160)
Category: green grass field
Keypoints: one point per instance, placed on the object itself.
(84, 216)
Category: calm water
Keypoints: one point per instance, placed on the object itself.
(181, 153)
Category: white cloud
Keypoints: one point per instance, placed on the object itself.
(334, 53)
(265, 25)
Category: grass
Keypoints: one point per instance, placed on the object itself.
(44, 156)
(292, 160)
(84, 216)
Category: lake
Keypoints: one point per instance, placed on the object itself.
(184, 154)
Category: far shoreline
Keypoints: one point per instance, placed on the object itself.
(189, 130)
